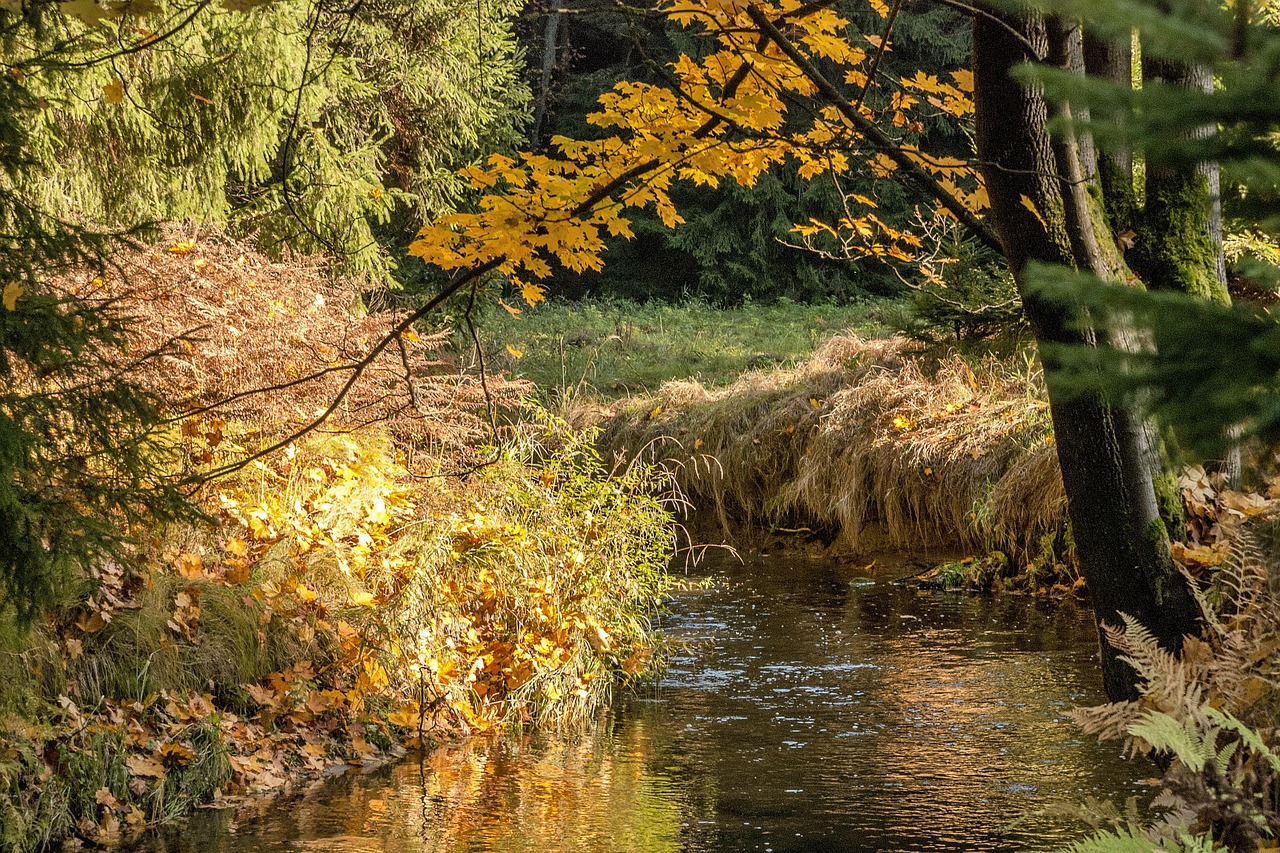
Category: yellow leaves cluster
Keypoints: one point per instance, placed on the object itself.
(954, 99)
(727, 121)
(513, 609)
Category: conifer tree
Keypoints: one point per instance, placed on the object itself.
(315, 126)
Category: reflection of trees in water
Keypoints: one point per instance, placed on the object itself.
(580, 794)
(979, 695)
(822, 713)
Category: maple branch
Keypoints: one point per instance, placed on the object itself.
(878, 138)
(881, 50)
(639, 169)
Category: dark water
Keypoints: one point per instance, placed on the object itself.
(809, 713)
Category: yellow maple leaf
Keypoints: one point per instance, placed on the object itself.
(532, 293)
(113, 92)
(1031, 206)
(406, 716)
(12, 292)
(184, 247)
(189, 565)
(515, 353)
(511, 309)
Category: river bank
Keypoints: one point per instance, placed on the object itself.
(806, 707)
(871, 445)
(383, 583)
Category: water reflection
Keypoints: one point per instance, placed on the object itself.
(808, 713)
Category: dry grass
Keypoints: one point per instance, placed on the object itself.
(866, 435)
(228, 321)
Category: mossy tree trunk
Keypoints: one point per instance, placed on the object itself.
(1112, 60)
(1179, 241)
(1108, 465)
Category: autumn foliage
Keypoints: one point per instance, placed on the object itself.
(344, 606)
(727, 116)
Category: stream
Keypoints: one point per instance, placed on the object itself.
(806, 710)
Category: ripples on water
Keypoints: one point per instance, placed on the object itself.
(806, 713)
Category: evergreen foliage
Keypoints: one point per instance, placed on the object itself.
(322, 128)
(974, 298)
(314, 125)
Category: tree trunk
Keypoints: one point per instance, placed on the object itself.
(1113, 61)
(1179, 244)
(1043, 213)
(550, 45)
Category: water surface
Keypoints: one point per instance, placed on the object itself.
(807, 712)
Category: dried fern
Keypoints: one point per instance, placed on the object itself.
(1210, 713)
(1138, 842)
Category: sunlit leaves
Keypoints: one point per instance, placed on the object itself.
(728, 119)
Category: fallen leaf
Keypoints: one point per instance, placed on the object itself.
(177, 753)
(189, 566)
(1245, 503)
(92, 623)
(145, 766)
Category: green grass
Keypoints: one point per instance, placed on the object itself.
(613, 349)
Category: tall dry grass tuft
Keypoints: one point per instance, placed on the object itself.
(867, 434)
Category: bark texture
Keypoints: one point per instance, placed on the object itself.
(1107, 462)
(1179, 243)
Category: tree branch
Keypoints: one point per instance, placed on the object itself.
(357, 368)
(878, 138)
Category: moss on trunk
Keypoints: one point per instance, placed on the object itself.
(1173, 250)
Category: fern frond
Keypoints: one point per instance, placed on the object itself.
(1251, 738)
(1167, 682)
(1189, 743)
(1107, 722)
(1134, 841)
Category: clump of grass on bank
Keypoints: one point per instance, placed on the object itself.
(870, 443)
(613, 349)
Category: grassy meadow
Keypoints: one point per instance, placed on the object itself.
(612, 349)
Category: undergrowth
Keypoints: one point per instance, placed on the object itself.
(1209, 715)
(341, 608)
(388, 584)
